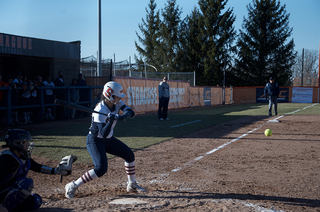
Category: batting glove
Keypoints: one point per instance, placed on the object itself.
(111, 117)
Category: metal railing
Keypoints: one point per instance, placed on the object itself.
(8, 107)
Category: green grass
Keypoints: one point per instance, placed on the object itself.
(147, 130)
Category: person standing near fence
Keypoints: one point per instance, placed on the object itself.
(48, 98)
(2, 103)
(272, 90)
(164, 97)
(60, 94)
(74, 96)
(83, 94)
(18, 85)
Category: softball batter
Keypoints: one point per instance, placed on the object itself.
(100, 140)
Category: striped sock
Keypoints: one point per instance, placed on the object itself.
(131, 171)
(86, 177)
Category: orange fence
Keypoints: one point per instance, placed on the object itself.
(142, 94)
(255, 94)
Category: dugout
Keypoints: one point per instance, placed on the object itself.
(33, 56)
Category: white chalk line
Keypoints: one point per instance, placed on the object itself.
(186, 123)
(230, 142)
(259, 208)
(216, 149)
(179, 124)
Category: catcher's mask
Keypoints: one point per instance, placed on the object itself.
(112, 89)
(15, 139)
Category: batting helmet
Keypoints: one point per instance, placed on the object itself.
(14, 139)
(111, 89)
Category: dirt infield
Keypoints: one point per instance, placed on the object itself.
(229, 167)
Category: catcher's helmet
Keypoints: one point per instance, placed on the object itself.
(111, 89)
(14, 140)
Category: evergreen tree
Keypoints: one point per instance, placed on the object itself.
(217, 34)
(149, 52)
(188, 56)
(262, 48)
(169, 31)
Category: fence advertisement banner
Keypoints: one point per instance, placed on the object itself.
(302, 95)
(142, 94)
(216, 95)
(194, 96)
(283, 95)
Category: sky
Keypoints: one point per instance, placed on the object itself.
(73, 20)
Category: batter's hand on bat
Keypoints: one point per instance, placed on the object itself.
(111, 117)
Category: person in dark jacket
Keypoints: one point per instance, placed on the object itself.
(15, 163)
(272, 90)
(60, 94)
(83, 94)
(164, 97)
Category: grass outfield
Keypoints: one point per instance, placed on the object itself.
(146, 130)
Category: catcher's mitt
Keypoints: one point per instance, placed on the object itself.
(65, 166)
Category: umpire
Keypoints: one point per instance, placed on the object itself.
(271, 90)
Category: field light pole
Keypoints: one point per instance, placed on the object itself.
(99, 40)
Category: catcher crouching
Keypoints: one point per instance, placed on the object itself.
(15, 163)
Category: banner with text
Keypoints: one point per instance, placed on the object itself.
(142, 94)
(283, 95)
(302, 95)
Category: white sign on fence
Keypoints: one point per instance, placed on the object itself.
(302, 95)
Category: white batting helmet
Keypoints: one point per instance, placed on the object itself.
(111, 89)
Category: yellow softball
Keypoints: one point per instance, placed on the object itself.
(268, 132)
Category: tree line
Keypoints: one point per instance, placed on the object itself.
(206, 42)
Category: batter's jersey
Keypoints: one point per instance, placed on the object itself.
(98, 119)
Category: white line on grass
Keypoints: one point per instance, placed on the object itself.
(186, 123)
(179, 124)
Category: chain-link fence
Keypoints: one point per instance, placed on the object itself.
(305, 70)
(88, 67)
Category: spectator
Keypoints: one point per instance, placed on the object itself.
(14, 102)
(83, 93)
(48, 98)
(34, 100)
(2, 103)
(74, 96)
(18, 84)
(164, 96)
(60, 94)
(26, 100)
(40, 81)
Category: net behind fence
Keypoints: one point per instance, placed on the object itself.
(88, 67)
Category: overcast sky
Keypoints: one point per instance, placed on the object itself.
(71, 20)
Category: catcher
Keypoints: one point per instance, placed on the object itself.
(15, 163)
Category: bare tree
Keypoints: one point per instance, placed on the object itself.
(310, 68)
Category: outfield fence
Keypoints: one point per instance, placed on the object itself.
(142, 93)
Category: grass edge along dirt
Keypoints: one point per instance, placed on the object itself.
(147, 130)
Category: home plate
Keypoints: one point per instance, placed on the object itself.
(128, 201)
(274, 120)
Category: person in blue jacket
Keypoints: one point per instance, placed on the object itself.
(272, 90)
